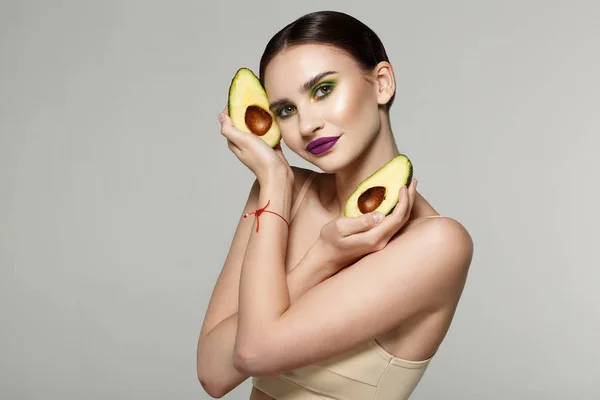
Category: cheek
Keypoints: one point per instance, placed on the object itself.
(351, 107)
(289, 133)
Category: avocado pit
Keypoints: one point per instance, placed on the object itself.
(371, 199)
(258, 120)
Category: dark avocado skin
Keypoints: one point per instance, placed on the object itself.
(410, 174)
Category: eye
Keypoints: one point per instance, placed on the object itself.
(285, 111)
(322, 90)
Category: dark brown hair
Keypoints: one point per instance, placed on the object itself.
(329, 28)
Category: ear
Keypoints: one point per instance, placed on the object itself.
(385, 83)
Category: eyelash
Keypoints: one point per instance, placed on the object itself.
(329, 85)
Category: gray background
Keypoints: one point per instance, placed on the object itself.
(118, 195)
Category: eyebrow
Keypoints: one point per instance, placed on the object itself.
(306, 86)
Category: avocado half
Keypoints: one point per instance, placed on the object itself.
(380, 191)
(248, 107)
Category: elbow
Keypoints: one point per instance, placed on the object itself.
(252, 361)
(255, 353)
(242, 361)
(212, 388)
(205, 371)
(211, 383)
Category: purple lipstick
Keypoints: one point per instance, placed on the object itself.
(321, 145)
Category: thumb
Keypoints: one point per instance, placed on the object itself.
(230, 131)
(353, 225)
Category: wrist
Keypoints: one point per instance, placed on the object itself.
(326, 260)
(276, 194)
(277, 177)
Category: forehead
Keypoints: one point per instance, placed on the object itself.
(295, 65)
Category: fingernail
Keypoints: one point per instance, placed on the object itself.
(416, 183)
(378, 217)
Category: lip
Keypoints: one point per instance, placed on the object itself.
(321, 145)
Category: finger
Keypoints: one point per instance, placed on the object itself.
(401, 209)
(413, 195)
(394, 221)
(348, 226)
(232, 146)
(234, 149)
(230, 132)
(404, 208)
(226, 109)
(398, 217)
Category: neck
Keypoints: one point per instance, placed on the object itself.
(382, 149)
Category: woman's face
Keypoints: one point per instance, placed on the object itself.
(326, 108)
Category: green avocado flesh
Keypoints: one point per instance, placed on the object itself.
(248, 107)
(380, 191)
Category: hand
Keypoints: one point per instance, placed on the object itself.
(253, 152)
(346, 239)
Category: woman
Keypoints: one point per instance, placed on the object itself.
(310, 303)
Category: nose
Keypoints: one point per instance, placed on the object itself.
(309, 122)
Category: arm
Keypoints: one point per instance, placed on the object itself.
(214, 372)
(215, 349)
(216, 341)
(224, 300)
(264, 294)
(420, 272)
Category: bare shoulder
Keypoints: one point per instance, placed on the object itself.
(448, 231)
(442, 248)
(434, 254)
(445, 234)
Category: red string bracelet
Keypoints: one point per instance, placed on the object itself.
(259, 212)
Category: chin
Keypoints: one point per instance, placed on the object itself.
(332, 163)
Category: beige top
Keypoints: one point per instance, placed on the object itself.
(366, 372)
